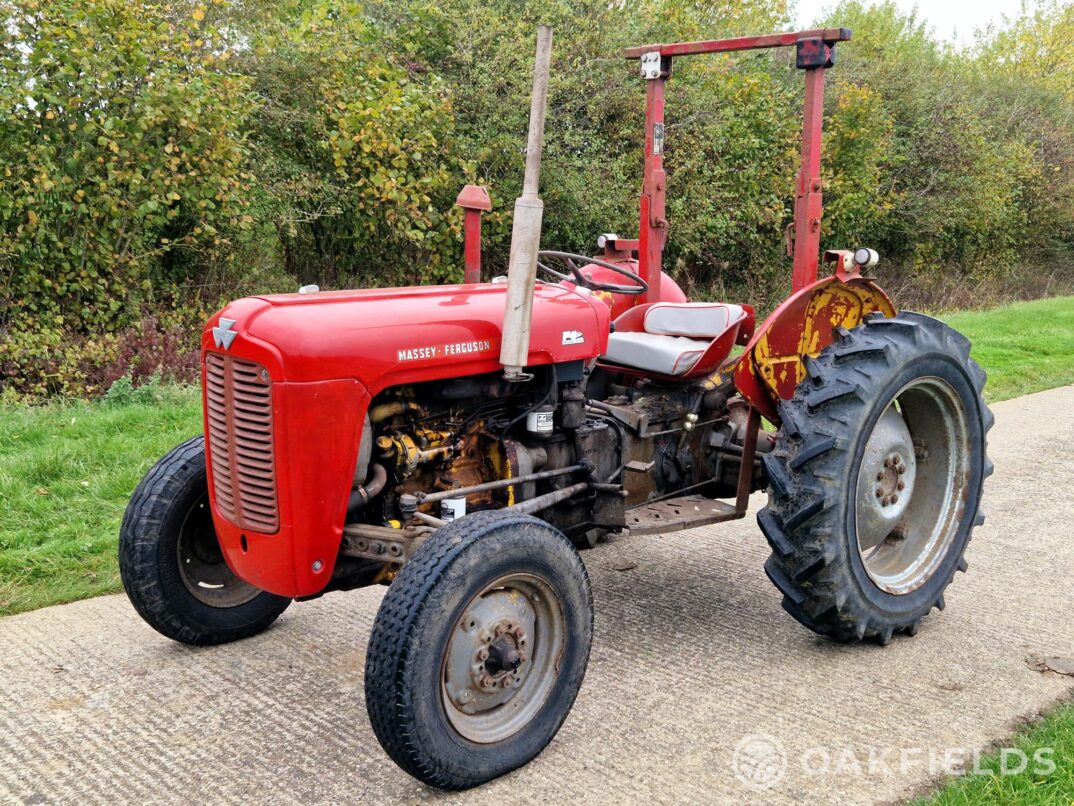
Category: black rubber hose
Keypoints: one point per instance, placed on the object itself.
(361, 496)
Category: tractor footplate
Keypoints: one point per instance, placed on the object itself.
(675, 514)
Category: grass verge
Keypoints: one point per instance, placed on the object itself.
(1051, 740)
(66, 472)
(1025, 347)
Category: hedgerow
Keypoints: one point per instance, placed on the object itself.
(159, 157)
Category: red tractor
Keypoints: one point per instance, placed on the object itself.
(458, 443)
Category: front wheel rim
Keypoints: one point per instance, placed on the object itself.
(202, 567)
(912, 485)
(501, 659)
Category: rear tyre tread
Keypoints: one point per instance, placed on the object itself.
(807, 565)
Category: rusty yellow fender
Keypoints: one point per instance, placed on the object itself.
(803, 325)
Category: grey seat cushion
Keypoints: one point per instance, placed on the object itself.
(698, 320)
(666, 355)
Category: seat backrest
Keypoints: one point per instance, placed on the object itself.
(695, 320)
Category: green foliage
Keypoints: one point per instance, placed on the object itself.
(959, 180)
(351, 151)
(121, 147)
(158, 158)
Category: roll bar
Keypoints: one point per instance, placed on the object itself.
(815, 54)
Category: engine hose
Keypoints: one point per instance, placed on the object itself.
(361, 496)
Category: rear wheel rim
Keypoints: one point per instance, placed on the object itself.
(202, 567)
(501, 659)
(912, 485)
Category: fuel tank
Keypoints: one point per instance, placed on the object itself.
(287, 380)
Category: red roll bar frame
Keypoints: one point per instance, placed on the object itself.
(815, 54)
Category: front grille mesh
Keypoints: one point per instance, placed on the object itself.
(239, 403)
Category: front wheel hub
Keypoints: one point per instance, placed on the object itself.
(500, 660)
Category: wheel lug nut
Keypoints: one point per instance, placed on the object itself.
(518, 632)
(901, 485)
(483, 654)
(887, 462)
(879, 492)
(880, 476)
(894, 499)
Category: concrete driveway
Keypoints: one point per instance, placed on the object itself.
(693, 658)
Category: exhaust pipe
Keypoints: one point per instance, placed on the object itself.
(526, 229)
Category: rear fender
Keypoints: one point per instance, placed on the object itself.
(771, 367)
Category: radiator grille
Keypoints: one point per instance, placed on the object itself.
(239, 402)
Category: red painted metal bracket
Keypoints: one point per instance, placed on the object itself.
(815, 53)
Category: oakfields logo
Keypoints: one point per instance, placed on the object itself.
(760, 761)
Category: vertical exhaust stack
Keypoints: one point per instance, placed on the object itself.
(526, 229)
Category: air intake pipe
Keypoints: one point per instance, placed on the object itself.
(526, 229)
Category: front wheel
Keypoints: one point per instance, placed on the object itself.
(875, 482)
(170, 560)
(479, 649)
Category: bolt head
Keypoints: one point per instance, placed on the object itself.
(901, 485)
(317, 566)
(483, 655)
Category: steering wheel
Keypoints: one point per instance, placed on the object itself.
(637, 286)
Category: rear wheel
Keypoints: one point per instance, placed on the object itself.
(479, 649)
(170, 560)
(875, 482)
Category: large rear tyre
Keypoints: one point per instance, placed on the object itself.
(170, 560)
(875, 481)
(479, 649)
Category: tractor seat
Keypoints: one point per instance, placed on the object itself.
(676, 339)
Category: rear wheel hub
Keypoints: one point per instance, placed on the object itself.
(912, 485)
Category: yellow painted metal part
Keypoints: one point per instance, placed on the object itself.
(807, 328)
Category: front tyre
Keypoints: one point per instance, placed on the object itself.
(875, 482)
(170, 560)
(479, 649)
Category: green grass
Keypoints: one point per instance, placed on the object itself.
(1054, 733)
(1025, 347)
(66, 472)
